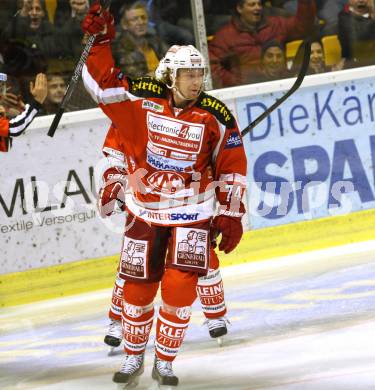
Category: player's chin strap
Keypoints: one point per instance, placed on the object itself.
(181, 95)
(173, 88)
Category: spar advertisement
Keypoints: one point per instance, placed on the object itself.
(312, 157)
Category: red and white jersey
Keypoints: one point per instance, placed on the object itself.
(173, 156)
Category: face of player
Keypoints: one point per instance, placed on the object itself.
(189, 83)
(80, 7)
(56, 89)
(36, 14)
(136, 21)
(317, 56)
(360, 6)
(274, 61)
(251, 11)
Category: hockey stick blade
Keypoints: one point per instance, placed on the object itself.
(301, 75)
(75, 78)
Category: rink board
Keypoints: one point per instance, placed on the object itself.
(58, 236)
(90, 275)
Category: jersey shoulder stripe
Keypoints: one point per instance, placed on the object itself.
(217, 108)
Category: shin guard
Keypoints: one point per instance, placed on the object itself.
(170, 332)
(210, 290)
(136, 327)
(117, 298)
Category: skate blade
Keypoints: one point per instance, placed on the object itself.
(156, 386)
(220, 341)
(113, 351)
(130, 385)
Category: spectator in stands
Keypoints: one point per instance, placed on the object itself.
(66, 9)
(273, 62)
(356, 32)
(56, 89)
(137, 48)
(276, 8)
(70, 32)
(172, 20)
(10, 128)
(31, 26)
(317, 59)
(235, 51)
(12, 99)
(327, 11)
(7, 10)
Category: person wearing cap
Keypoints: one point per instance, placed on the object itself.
(16, 126)
(273, 62)
(235, 50)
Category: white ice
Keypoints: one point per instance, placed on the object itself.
(302, 322)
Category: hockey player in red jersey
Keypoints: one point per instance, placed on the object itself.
(16, 126)
(183, 151)
(210, 288)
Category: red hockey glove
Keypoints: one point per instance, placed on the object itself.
(230, 229)
(112, 192)
(230, 212)
(99, 22)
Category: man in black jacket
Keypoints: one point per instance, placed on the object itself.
(356, 32)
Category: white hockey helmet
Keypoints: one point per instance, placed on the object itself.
(179, 57)
(3, 83)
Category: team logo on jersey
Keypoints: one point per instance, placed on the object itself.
(156, 216)
(191, 248)
(217, 108)
(173, 134)
(147, 85)
(167, 182)
(234, 140)
(150, 105)
(134, 258)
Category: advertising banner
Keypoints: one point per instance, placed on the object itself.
(312, 157)
(48, 190)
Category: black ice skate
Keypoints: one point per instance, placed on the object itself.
(163, 373)
(113, 337)
(217, 328)
(132, 368)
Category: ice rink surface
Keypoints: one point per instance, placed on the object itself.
(305, 322)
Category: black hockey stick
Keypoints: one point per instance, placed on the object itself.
(75, 78)
(301, 75)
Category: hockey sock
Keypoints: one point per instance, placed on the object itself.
(170, 332)
(210, 290)
(117, 298)
(136, 327)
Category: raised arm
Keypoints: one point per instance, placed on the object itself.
(300, 25)
(38, 90)
(102, 80)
